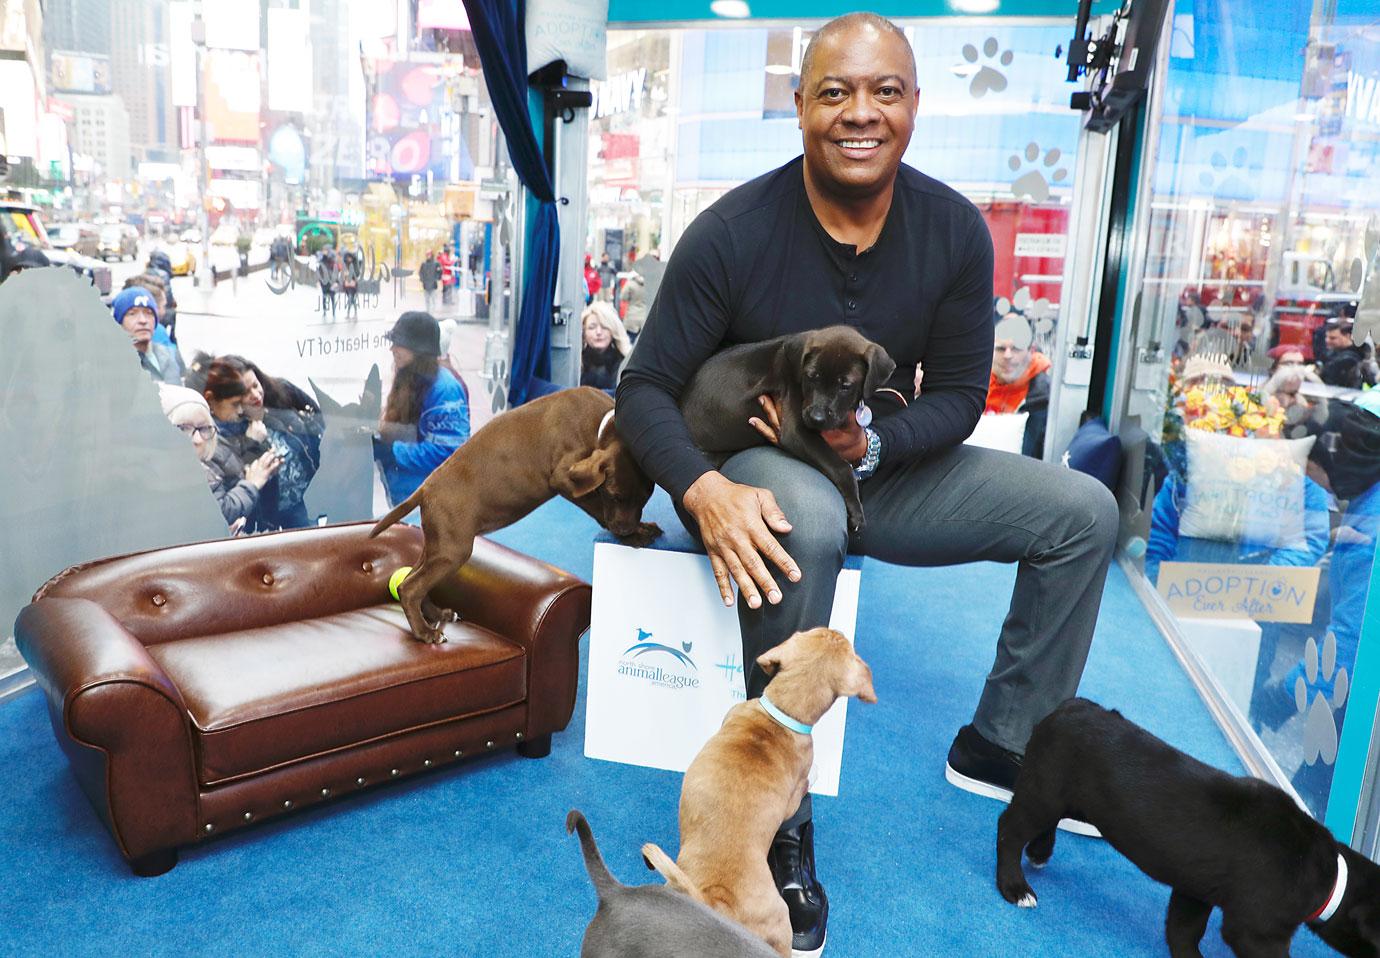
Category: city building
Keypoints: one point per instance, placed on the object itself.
(139, 57)
(79, 26)
(100, 129)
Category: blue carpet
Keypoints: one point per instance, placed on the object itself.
(474, 860)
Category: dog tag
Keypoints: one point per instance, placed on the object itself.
(863, 414)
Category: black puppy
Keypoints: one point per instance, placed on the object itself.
(816, 379)
(1240, 844)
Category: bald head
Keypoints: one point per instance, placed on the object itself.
(846, 23)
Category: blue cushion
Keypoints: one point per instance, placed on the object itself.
(1097, 452)
(675, 537)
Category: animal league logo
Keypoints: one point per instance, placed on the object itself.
(662, 665)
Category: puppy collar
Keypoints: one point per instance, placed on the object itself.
(782, 718)
(1334, 901)
(603, 424)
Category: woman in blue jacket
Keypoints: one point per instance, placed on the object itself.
(427, 414)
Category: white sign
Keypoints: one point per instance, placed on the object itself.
(620, 93)
(232, 24)
(289, 61)
(245, 158)
(243, 194)
(1363, 97)
(182, 53)
(665, 662)
(1042, 245)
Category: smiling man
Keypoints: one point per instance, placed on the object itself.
(849, 234)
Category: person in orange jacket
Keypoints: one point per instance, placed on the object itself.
(1020, 380)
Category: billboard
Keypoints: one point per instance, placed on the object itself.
(19, 107)
(289, 61)
(181, 53)
(232, 95)
(79, 72)
(244, 159)
(232, 24)
(442, 15)
(241, 194)
(410, 131)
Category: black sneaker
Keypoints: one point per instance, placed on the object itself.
(792, 862)
(985, 768)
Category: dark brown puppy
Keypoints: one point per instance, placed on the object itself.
(564, 444)
(1239, 844)
(816, 379)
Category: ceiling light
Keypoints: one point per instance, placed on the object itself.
(734, 9)
(779, 69)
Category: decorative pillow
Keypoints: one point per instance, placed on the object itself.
(1245, 490)
(1002, 431)
(571, 30)
(1097, 452)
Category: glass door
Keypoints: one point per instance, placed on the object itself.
(1248, 356)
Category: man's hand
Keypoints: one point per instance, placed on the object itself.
(736, 523)
(850, 442)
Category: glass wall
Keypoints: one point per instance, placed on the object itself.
(1252, 327)
(688, 114)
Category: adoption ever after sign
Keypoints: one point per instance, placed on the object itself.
(1266, 593)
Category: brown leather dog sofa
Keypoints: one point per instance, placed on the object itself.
(205, 687)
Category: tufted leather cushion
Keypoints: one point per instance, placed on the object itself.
(245, 583)
(262, 698)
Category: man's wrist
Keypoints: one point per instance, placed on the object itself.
(872, 457)
(697, 489)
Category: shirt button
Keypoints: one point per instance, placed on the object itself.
(852, 304)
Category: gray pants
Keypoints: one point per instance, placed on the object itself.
(964, 504)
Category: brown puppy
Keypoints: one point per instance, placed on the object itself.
(816, 379)
(750, 777)
(562, 444)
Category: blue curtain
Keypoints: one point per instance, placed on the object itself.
(498, 33)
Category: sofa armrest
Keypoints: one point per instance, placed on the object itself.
(536, 605)
(119, 718)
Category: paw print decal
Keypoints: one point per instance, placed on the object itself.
(988, 78)
(1320, 734)
(1040, 312)
(1229, 179)
(1033, 183)
(496, 375)
(1368, 315)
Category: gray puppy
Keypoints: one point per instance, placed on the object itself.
(817, 380)
(654, 921)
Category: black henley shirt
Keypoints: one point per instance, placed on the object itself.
(758, 264)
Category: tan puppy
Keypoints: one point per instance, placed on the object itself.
(750, 777)
(563, 444)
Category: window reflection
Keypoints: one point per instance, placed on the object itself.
(1254, 331)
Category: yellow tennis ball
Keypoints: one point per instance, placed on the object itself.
(396, 579)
